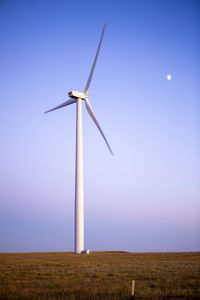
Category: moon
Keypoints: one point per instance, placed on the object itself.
(169, 77)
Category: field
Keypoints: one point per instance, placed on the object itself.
(100, 275)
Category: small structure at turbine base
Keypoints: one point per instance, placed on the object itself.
(87, 251)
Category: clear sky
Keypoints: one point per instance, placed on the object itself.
(147, 196)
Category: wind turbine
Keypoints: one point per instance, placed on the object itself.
(78, 97)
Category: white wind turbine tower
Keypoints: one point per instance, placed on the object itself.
(77, 97)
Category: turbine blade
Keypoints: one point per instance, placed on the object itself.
(92, 115)
(94, 63)
(68, 102)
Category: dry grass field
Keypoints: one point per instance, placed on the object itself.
(100, 275)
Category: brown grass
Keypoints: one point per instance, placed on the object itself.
(100, 275)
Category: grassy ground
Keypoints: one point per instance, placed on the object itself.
(100, 275)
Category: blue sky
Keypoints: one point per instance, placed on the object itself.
(147, 196)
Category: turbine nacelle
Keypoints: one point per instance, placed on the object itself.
(77, 95)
